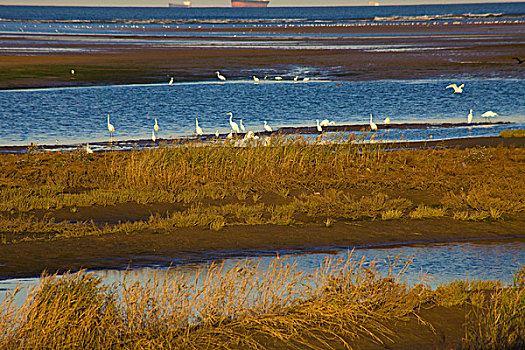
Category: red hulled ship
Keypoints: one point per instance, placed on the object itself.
(250, 3)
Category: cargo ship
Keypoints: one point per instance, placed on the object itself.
(250, 3)
(184, 4)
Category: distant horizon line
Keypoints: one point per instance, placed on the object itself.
(167, 5)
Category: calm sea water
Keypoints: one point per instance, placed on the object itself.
(343, 14)
(78, 114)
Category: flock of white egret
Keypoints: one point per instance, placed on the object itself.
(238, 128)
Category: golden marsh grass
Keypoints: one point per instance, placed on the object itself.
(246, 307)
(291, 182)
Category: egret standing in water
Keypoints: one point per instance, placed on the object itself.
(220, 76)
(469, 117)
(198, 129)
(171, 81)
(373, 126)
(457, 89)
(387, 121)
(243, 129)
(233, 124)
(319, 127)
(111, 129)
(267, 127)
(156, 126)
(256, 80)
(489, 114)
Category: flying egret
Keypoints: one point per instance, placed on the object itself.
(278, 78)
(373, 126)
(72, 72)
(198, 129)
(469, 117)
(489, 114)
(319, 127)
(153, 137)
(171, 81)
(111, 128)
(220, 76)
(267, 127)
(243, 129)
(156, 126)
(457, 89)
(256, 80)
(520, 61)
(233, 124)
(306, 79)
(387, 121)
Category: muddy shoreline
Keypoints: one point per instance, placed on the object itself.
(361, 53)
(120, 251)
(459, 143)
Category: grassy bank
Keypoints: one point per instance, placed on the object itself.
(46, 195)
(350, 305)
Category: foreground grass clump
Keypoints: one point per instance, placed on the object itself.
(512, 133)
(343, 304)
(290, 182)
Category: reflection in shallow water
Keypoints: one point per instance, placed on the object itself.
(445, 262)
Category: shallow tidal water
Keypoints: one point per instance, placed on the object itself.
(440, 263)
(76, 115)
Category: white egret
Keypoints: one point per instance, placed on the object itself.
(156, 126)
(295, 79)
(72, 72)
(171, 81)
(457, 89)
(306, 79)
(256, 80)
(198, 129)
(267, 127)
(319, 127)
(233, 124)
(489, 114)
(249, 135)
(217, 134)
(373, 126)
(220, 76)
(111, 128)
(243, 129)
(387, 121)
(229, 136)
(324, 122)
(267, 141)
(278, 78)
(88, 149)
(153, 137)
(469, 117)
